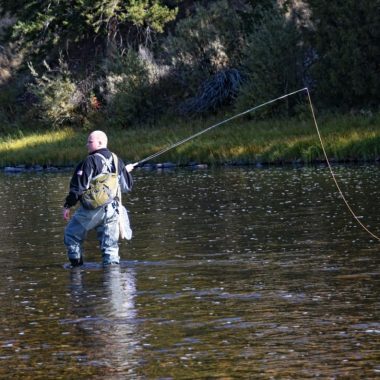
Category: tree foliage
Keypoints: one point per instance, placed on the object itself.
(132, 61)
(346, 39)
(48, 28)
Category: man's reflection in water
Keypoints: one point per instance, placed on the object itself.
(107, 331)
(122, 289)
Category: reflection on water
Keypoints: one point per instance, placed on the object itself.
(232, 273)
(108, 327)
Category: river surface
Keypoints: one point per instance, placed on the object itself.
(232, 273)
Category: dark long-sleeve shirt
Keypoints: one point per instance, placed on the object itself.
(89, 168)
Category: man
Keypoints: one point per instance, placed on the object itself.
(104, 219)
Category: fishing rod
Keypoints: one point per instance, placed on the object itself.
(178, 143)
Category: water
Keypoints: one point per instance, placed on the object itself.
(234, 273)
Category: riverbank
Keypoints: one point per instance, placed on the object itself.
(346, 138)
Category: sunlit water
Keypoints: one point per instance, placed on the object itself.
(234, 273)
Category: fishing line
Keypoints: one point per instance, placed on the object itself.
(332, 172)
(159, 153)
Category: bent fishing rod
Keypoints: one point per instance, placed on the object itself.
(178, 143)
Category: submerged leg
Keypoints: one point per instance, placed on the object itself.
(76, 231)
(74, 236)
(108, 236)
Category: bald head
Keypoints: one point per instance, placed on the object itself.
(96, 140)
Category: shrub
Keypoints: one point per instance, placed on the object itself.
(128, 90)
(219, 90)
(272, 63)
(59, 98)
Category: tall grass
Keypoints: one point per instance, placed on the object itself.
(248, 141)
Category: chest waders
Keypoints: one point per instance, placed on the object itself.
(104, 220)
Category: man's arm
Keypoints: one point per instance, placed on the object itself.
(77, 186)
(126, 180)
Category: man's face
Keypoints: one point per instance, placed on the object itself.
(92, 143)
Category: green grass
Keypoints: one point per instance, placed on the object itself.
(345, 137)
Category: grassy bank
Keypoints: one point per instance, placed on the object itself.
(345, 137)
